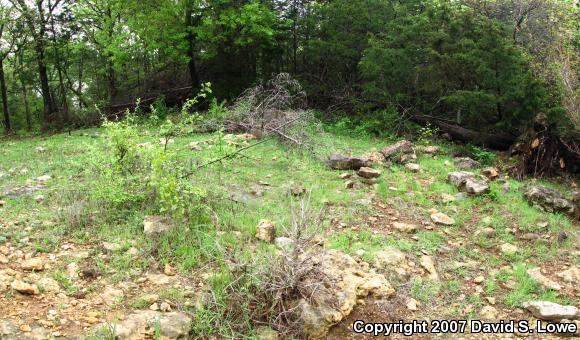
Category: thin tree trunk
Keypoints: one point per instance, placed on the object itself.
(191, 49)
(49, 108)
(7, 123)
(26, 106)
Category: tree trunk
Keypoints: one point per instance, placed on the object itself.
(7, 124)
(26, 107)
(191, 65)
(49, 108)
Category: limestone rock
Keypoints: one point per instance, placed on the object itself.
(35, 263)
(458, 178)
(428, 263)
(430, 149)
(266, 333)
(491, 173)
(549, 200)
(413, 167)
(405, 227)
(111, 296)
(508, 249)
(476, 187)
(160, 279)
(284, 243)
(25, 288)
(466, 163)
(412, 304)
(488, 313)
(50, 285)
(546, 310)
(441, 218)
(156, 225)
(145, 324)
(266, 231)
(389, 257)
(571, 275)
(340, 162)
(537, 276)
(330, 304)
(399, 151)
(366, 172)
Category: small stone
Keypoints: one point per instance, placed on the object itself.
(412, 304)
(491, 173)
(2, 204)
(429, 265)
(25, 328)
(24, 288)
(298, 191)
(366, 172)
(508, 249)
(488, 313)
(405, 227)
(349, 184)
(546, 310)
(285, 243)
(160, 279)
(168, 270)
(72, 269)
(490, 299)
(412, 167)
(165, 307)
(345, 175)
(111, 296)
(156, 225)
(441, 218)
(389, 257)
(465, 163)
(489, 231)
(194, 146)
(154, 307)
(50, 285)
(571, 275)
(34, 263)
(91, 320)
(266, 231)
(111, 246)
(43, 179)
(447, 198)
(479, 279)
(537, 276)
(39, 198)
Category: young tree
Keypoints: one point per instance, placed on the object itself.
(6, 46)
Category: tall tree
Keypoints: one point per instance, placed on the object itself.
(6, 40)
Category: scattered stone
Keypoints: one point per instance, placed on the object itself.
(3, 259)
(412, 304)
(72, 269)
(298, 190)
(194, 146)
(25, 328)
(49, 285)
(111, 246)
(537, 276)
(150, 298)
(284, 243)
(345, 175)
(475, 187)
(389, 257)
(505, 187)
(403, 150)
(490, 299)
(111, 296)
(170, 326)
(374, 157)
(156, 225)
(366, 172)
(546, 310)
(266, 231)
(441, 218)
(508, 249)
(405, 227)
(160, 279)
(479, 279)
(489, 313)
(146, 145)
(491, 173)
(446, 198)
(340, 162)
(349, 184)
(352, 281)
(458, 178)
(39, 198)
(571, 275)
(43, 179)
(266, 333)
(154, 306)
(24, 288)
(429, 265)
(549, 200)
(35, 263)
(413, 167)
(488, 231)
(430, 149)
(165, 307)
(168, 270)
(466, 163)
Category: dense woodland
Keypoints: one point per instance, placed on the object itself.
(480, 70)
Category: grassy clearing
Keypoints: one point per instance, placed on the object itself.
(87, 202)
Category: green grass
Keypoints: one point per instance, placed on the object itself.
(88, 202)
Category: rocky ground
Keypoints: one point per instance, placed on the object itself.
(413, 235)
